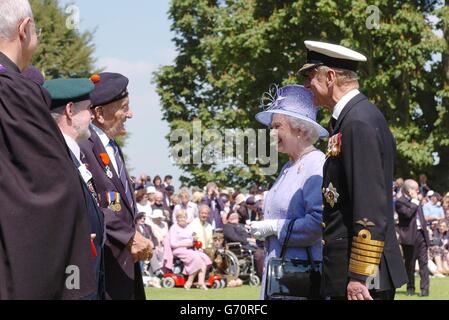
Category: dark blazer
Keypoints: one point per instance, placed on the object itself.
(96, 219)
(44, 226)
(361, 174)
(235, 232)
(408, 213)
(122, 276)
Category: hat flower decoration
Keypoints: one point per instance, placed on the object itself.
(294, 101)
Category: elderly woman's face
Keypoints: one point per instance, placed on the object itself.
(286, 135)
(181, 220)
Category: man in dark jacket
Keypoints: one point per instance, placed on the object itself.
(45, 250)
(361, 255)
(70, 108)
(234, 231)
(124, 246)
(413, 236)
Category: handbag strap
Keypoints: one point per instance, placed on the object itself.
(287, 239)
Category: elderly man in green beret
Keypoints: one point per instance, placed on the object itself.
(71, 109)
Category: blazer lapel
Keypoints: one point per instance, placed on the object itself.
(98, 148)
(354, 101)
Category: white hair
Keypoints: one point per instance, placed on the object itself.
(344, 76)
(12, 13)
(159, 194)
(309, 132)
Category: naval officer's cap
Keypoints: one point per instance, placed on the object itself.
(330, 55)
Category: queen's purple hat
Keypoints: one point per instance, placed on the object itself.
(294, 101)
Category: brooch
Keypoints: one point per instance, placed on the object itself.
(334, 146)
(331, 195)
(106, 161)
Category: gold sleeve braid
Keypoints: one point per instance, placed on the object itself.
(365, 254)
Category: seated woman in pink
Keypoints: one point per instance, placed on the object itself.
(182, 242)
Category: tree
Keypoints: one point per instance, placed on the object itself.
(229, 52)
(62, 51)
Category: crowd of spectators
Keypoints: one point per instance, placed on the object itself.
(435, 208)
(210, 213)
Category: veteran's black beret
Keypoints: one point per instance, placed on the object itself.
(109, 87)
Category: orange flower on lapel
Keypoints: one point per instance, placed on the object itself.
(105, 159)
(334, 146)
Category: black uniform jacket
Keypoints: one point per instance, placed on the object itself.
(359, 235)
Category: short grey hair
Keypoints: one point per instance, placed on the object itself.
(310, 134)
(12, 13)
(205, 207)
(343, 76)
(409, 185)
(159, 194)
(59, 112)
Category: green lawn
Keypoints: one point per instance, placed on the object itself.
(241, 293)
(439, 290)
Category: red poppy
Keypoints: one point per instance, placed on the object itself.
(95, 78)
(105, 158)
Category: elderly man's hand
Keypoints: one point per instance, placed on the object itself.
(263, 229)
(140, 248)
(358, 291)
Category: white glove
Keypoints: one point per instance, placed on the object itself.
(263, 229)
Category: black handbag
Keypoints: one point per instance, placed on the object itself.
(293, 279)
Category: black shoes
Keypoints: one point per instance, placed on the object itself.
(424, 293)
(410, 292)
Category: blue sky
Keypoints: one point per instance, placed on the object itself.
(134, 38)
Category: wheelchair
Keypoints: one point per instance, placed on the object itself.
(241, 263)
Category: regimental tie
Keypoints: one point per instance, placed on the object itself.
(121, 171)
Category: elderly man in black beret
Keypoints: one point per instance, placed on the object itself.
(124, 246)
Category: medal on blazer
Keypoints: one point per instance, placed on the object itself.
(113, 199)
(106, 161)
(331, 195)
(334, 146)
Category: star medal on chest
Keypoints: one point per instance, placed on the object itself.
(331, 195)
(334, 146)
(113, 199)
(106, 161)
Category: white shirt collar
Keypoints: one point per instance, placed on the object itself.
(343, 102)
(103, 137)
(73, 146)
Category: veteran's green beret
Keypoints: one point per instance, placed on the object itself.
(63, 91)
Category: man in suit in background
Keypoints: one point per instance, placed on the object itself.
(124, 246)
(70, 108)
(413, 236)
(361, 255)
